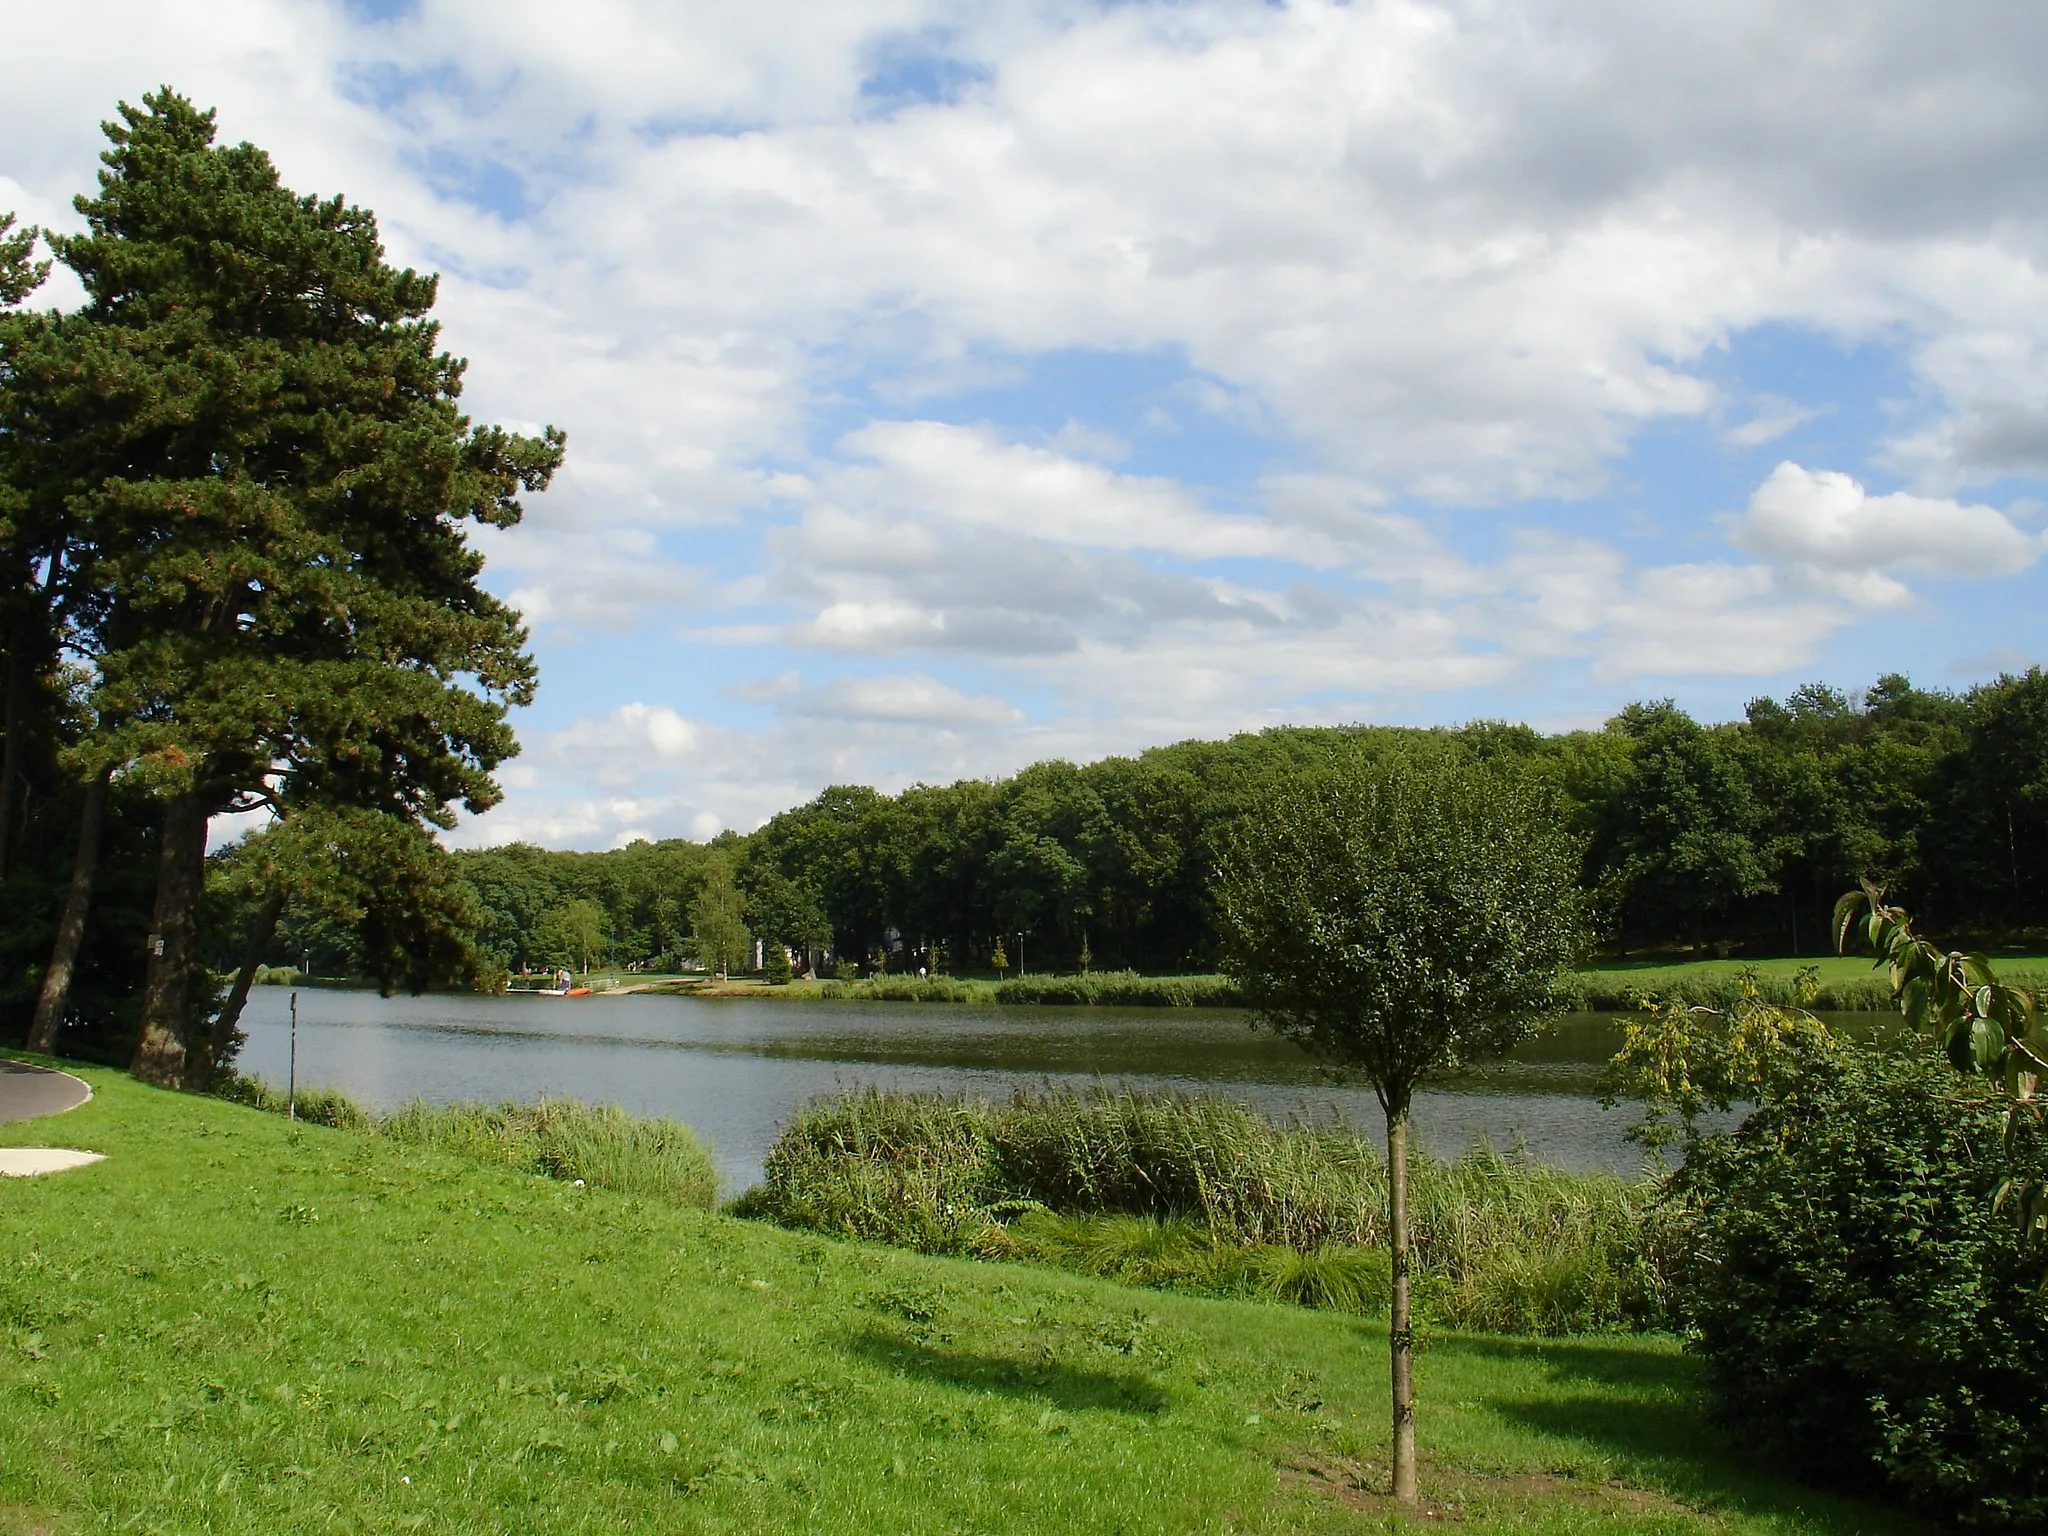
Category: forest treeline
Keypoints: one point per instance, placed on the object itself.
(1734, 837)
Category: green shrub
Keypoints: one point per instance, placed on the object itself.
(775, 964)
(1857, 1301)
(1187, 1191)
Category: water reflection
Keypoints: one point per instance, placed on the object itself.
(736, 1069)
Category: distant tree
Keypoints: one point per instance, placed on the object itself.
(1401, 919)
(1677, 836)
(775, 962)
(1001, 958)
(573, 932)
(1992, 868)
(664, 923)
(782, 909)
(718, 924)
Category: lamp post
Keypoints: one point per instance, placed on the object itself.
(1020, 952)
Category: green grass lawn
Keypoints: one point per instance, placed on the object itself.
(234, 1324)
(1833, 968)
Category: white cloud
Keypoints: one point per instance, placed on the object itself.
(908, 697)
(576, 580)
(969, 477)
(1703, 620)
(1827, 521)
(1425, 257)
(1771, 418)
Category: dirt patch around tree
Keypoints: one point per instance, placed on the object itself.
(1457, 1494)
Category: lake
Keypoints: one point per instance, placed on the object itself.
(736, 1069)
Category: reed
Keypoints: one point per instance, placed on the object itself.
(1096, 989)
(316, 1106)
(564, 1139)
(1196, 1192)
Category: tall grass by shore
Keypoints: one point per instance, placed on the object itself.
(1097, 989)
(1200, 1193)
(600, 1144)
(1706, 984)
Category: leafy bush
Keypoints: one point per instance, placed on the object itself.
(1202, 1193)
(1858, 1302)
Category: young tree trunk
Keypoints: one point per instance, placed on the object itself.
(1400, 1326)
(56, 988)
(173, 943)
(202, 1061)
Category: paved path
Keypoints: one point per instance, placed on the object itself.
(29, 1093)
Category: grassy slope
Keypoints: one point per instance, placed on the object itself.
(238, 1325)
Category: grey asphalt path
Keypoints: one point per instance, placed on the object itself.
(29, 1093)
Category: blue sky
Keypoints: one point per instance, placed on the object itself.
(951, 385)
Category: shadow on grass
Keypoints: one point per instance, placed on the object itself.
(1649, 1411)
(1066, 1387)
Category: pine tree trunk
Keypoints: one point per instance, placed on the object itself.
(173, 943)
(13, 712)
(56, 988)
(203, 1061)
(1400, 1331)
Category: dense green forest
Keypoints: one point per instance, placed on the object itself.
(1725, 838)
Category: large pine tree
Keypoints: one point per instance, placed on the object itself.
(251, 440)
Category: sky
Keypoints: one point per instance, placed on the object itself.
(954, 385)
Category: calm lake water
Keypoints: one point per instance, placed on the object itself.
(736, 1069)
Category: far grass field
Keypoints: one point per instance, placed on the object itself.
(235, 1324)
(1662, 970)
(1850, 981)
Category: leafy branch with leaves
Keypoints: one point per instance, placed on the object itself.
(1988, 1029)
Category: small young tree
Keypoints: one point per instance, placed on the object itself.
(1401, 920)
(718, 924)
(1000, 959)
(775, 962)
